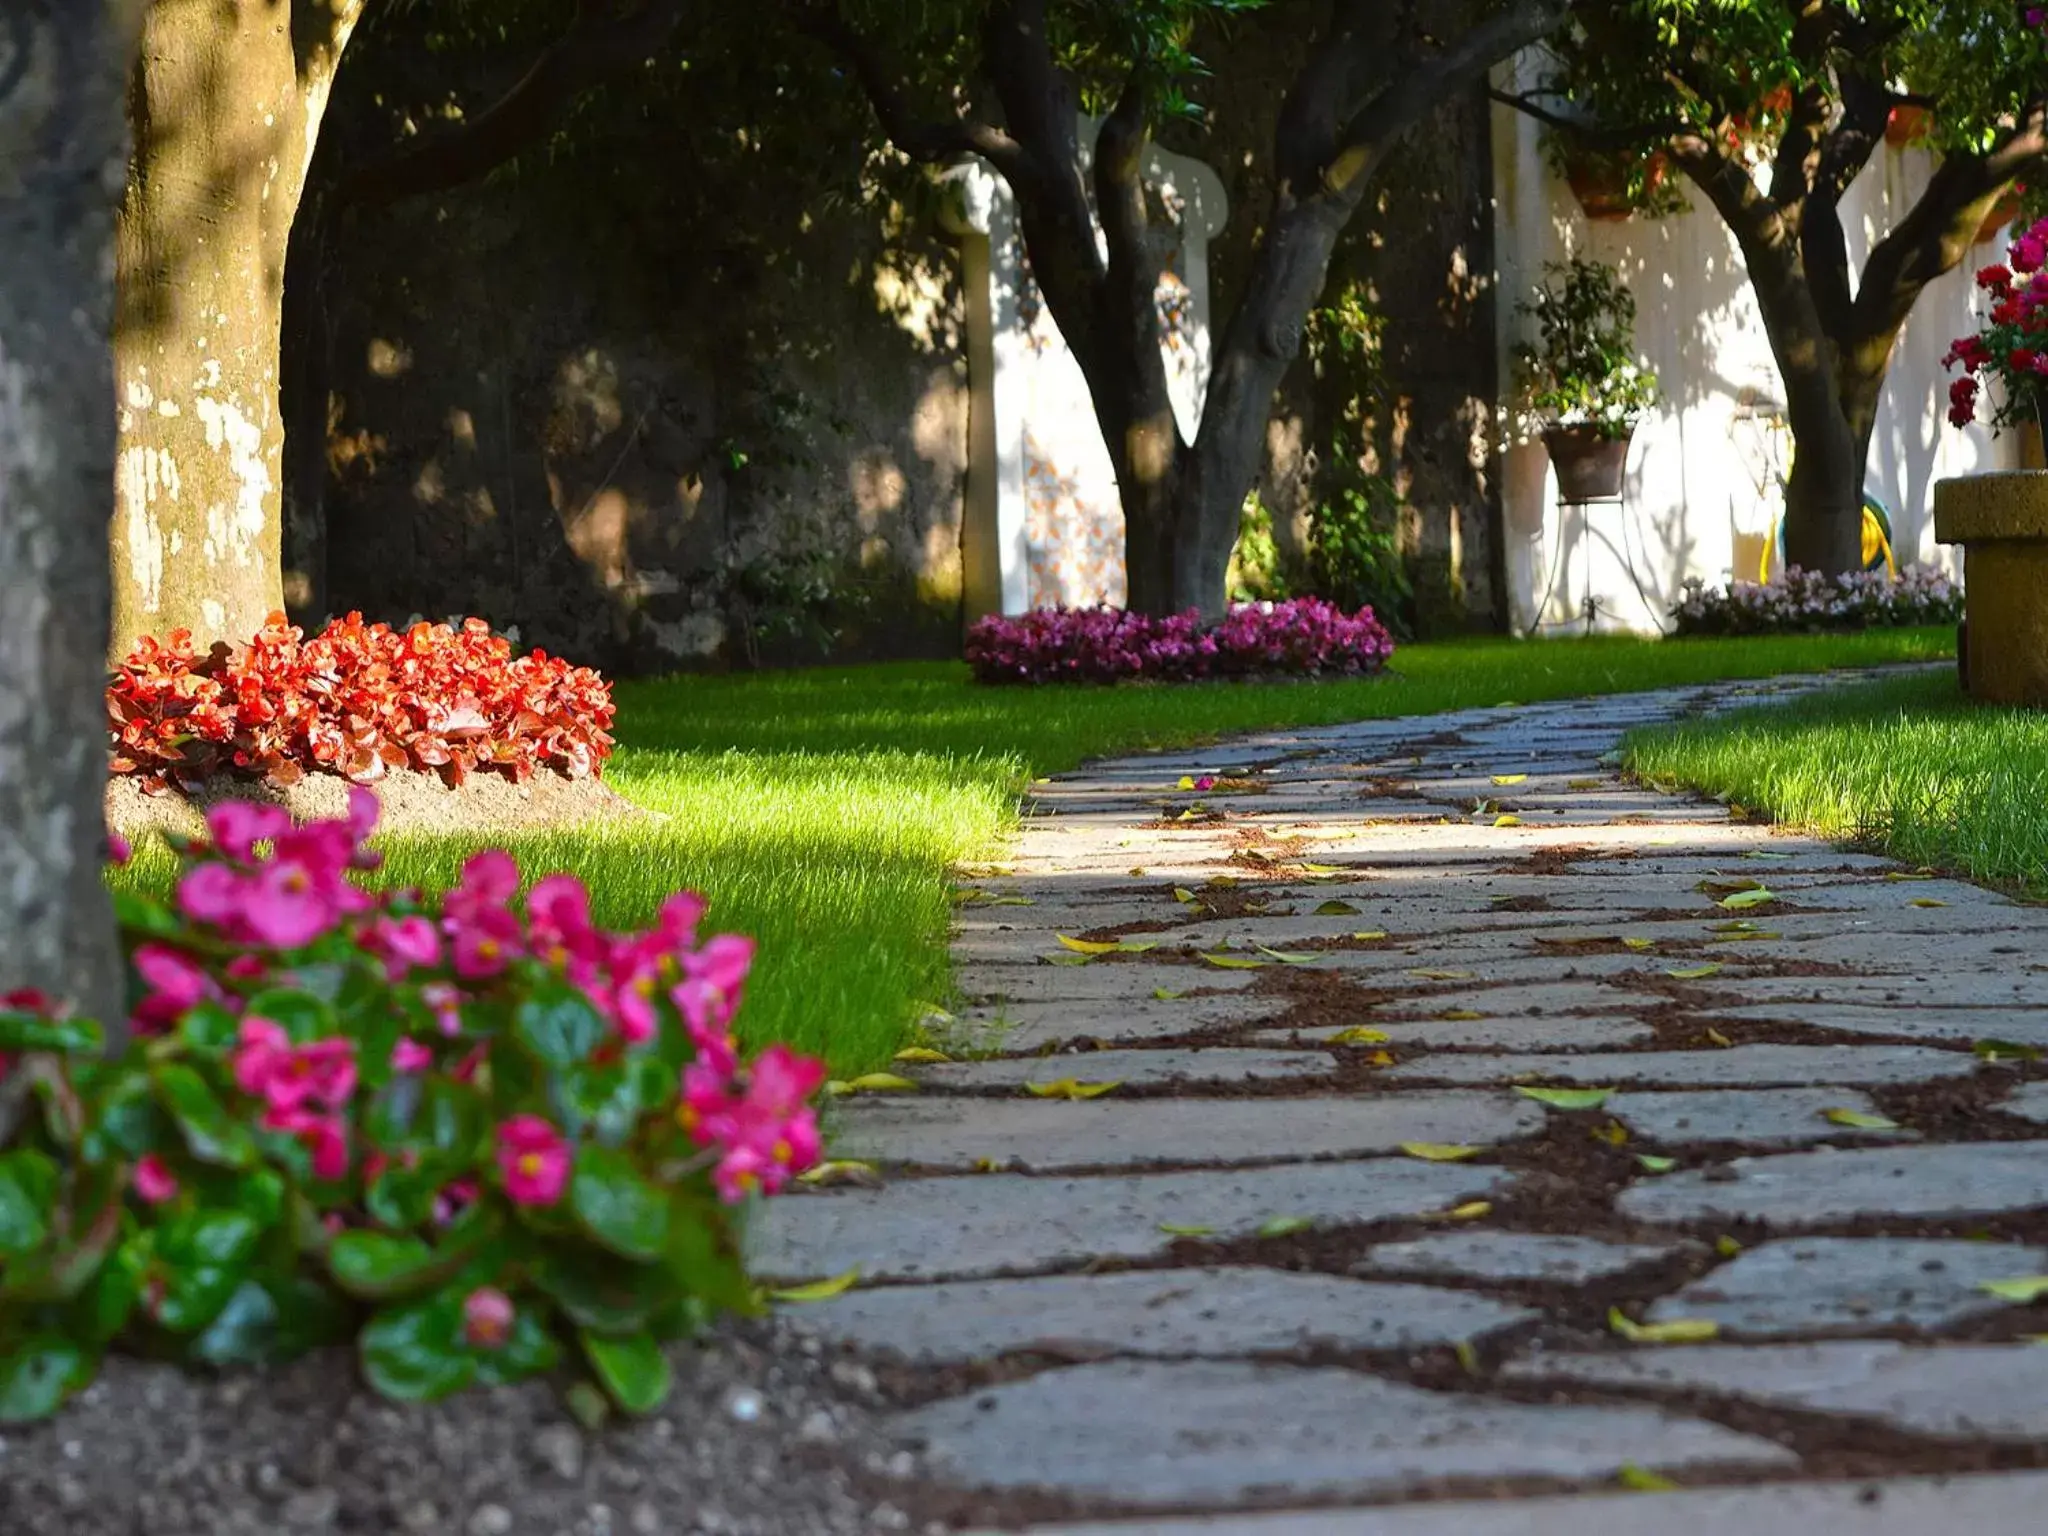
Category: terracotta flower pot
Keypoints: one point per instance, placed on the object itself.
(1589, 467)
(1907, 124)
(1600, 183)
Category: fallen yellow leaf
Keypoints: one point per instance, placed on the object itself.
(1335, 909)
(1693, 972)
(840, 1171)
(921, 1053)
(1684, 1330)
(1439, 1151)
(1727, 1246)
(880, 1082)
(1509, 820)
(1367, 935)
(1567, 1098)
(1175, 1229)
(1742, 899)
(1583, 783)
(1654, 1164)
(1640, 944)
(2025, 1291)
(1068, 1088)
(1234, 962)
(1857, 1120)
(1166, 994)
(1461, 1014)
(1715, 1037)
(818, 1290)
(1430, 975)
(1288, 956)
(1471, 1210)
(1088, 946)
(1927, 901)
(1360, 1035)
(1640, 1480)
(1505, 779)
(1283, 1226)
(1614, 1133)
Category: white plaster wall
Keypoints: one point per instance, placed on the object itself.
(1692, 503)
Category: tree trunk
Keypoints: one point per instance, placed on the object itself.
(62, 146)
(1260, 342)
(1824, 494)
(226, 108)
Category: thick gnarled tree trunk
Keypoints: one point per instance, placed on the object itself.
(226, 104)
(62, 68)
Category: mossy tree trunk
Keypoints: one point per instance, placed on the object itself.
(225, 105)
(62, 67)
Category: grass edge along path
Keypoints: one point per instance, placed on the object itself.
(823, 811)
(1907, 765)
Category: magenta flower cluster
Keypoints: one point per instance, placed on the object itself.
(1803, 601)
(468, 1130)
(1303, 637)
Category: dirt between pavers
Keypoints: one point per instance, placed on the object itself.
(767, 1434)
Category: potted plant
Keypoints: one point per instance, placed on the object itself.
(2001, 519)
(1581, 377)
(1612, 185)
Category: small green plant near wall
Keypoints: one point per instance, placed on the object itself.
(1581, 371)
(1354, 549)
(1257, 574)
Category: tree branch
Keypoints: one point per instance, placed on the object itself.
(1935, 234)
(1429, 79)
(1592, 135)
(1843, 152)
(1119, 184)
(933, 141)
(603, 40)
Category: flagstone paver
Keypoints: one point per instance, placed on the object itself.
(1102, 1133)
(1173, 1312)
(1752, 1115)
(1851, 1284)
(1176, 1434)
(1751, 1065)
(1949, 1391)
(1482, 1255)
(1134, 1069)
(1289, 1248)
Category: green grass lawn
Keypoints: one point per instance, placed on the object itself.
(822, 810)
(1906, 764)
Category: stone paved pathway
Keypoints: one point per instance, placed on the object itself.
(1481, 1124)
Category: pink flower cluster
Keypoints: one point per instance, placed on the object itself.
(1802, 601)
(267, 889)
(1303, 637)
(2013, 346)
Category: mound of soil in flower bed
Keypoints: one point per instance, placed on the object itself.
(764, 1436)
(413, 802)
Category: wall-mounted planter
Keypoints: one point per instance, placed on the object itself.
(1601, 183)
(1907, 124)
(1589, 467)
(2001, 520)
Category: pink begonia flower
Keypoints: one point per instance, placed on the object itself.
(239, 825)
(677, 922)
(486, 941)
(176, 983)
(408, 1055)
(559, 910)
(403, 943)
(119, 849)
(264, 1048)
(154, 1182)
(268, 1066)
(212, 894)
(324, 1135)
(487, 1317)
(533, 1160)
(632, 1000)
(245, 968)
(489, 880)
(740, 1173)
(765, 1134)
(289, 905)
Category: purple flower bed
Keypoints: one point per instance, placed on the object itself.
(1305, 637)
(1806, 600)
